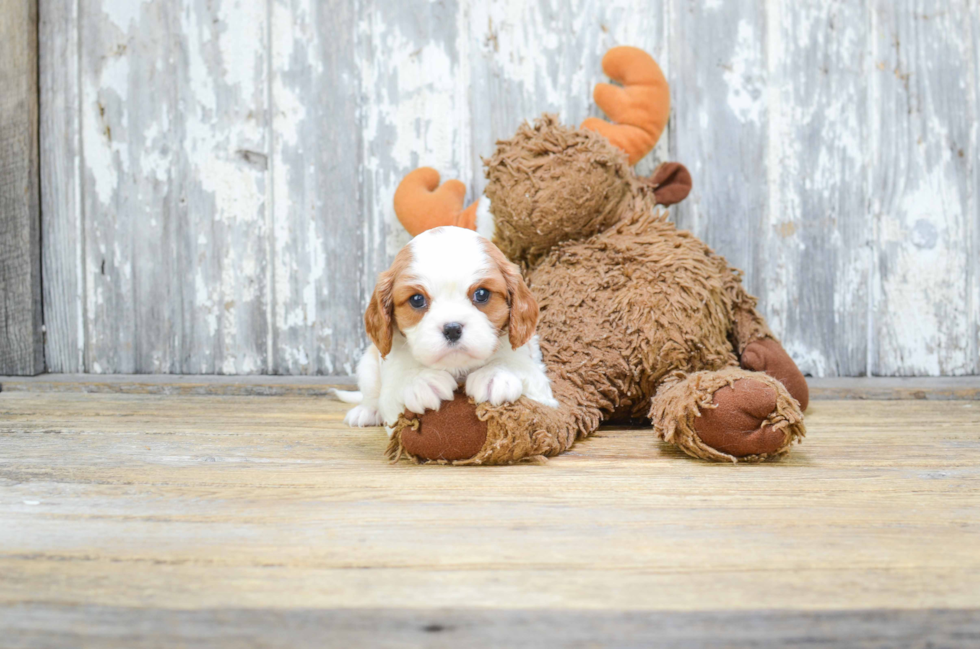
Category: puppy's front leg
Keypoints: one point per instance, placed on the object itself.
(512, 373)
(428, 389)
(496, 383)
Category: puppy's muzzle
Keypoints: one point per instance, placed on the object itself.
(452, 331)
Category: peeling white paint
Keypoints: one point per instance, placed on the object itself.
(850, 133)
(923, 304)
(104, 150)
(123, 13)
(811, 361)
(745, 87)
(241, 38)
(415, 114)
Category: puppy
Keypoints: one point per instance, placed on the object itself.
(451, 309)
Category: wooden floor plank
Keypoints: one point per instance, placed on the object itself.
(43, 626)
(150, 503)
(932, 388)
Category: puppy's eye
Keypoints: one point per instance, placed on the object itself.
(481, 296)
(417, 301)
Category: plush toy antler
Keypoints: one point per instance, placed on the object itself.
(639, 109)
(420, 204)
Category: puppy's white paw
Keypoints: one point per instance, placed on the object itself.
(362, 417)
(428, 390)
(494, 384)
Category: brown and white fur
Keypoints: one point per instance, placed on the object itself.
(451, 310)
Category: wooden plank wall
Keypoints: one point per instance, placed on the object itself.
(217, 176)
(21, 335)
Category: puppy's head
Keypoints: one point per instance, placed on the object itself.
(453, 296)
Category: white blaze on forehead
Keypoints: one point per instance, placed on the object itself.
(449, 260)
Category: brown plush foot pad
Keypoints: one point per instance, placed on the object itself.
(737, 425)
(451, 433)
(768, 356)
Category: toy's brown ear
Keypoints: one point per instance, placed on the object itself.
(671, 183)
(379, 317)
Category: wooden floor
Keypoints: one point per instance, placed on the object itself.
(146, 519)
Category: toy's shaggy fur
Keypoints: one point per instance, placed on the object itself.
(637, 320)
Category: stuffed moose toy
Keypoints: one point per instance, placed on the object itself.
(637, 319)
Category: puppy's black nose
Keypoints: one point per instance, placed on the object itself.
(452, 331)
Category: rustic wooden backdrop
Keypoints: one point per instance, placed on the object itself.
(21, 337)
(216, 175)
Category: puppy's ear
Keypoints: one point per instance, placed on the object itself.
(379, 317)
(523, 307)
(523, 311)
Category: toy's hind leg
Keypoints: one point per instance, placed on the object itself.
(727, 415)
(767, 355)
(759, 351)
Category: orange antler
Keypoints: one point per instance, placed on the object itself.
(420, 206)
(639, 109)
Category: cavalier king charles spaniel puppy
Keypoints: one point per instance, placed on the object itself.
(451, 310)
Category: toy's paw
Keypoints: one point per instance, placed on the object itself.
(768, 356)
(362, 416)
(428, 390)
(494, 384)
(454, 432)
(737, 425)
(551, 402)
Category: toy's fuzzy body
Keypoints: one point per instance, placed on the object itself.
(627, 308)
(637, 319)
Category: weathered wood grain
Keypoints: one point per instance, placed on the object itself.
(37, 626)
(816, 256)
(62, 228)
(933, 388)
(173, 110)
(321, 247)
(242, 201)
(21, 337)
(155, 504)
(215, 385)
(956, 388)
(415, 102)
(526, 59)
(129, 191)
(719, 82)
(924, 113)
(221, 93)
(974, 268)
